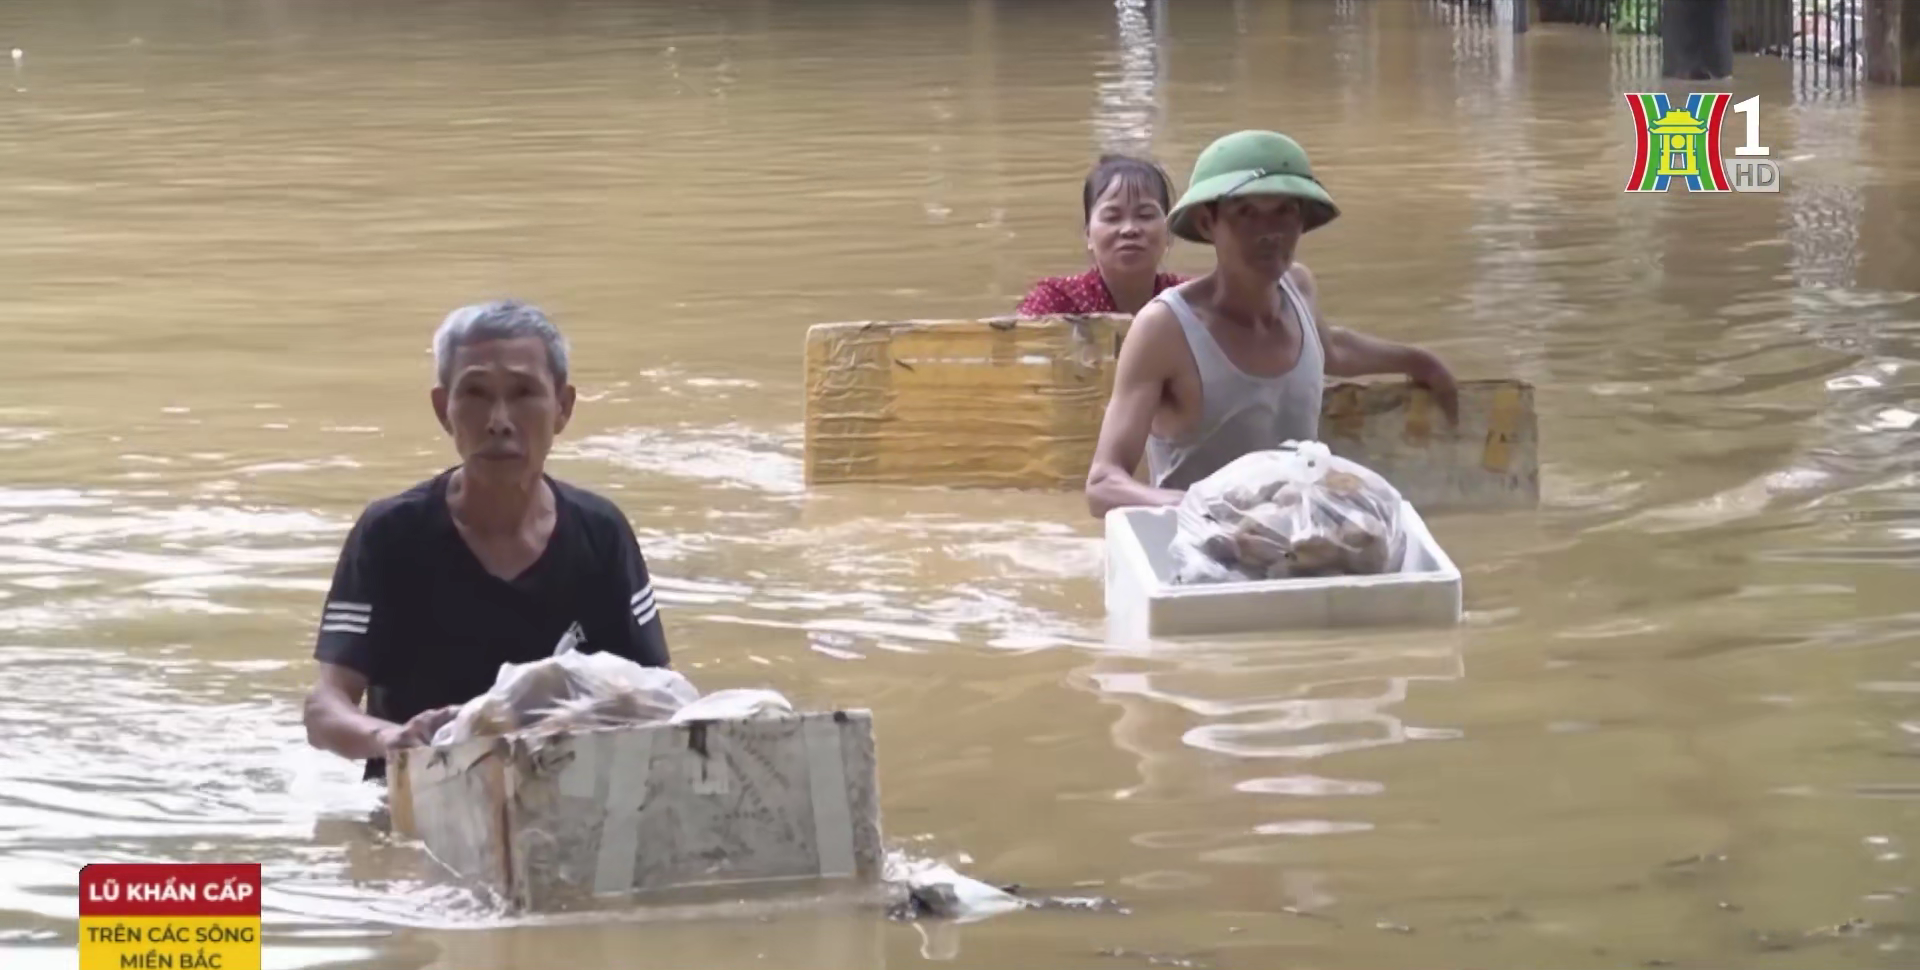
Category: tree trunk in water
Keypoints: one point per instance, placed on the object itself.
(1696, 39)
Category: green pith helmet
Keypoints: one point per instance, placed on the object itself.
(1252, 163)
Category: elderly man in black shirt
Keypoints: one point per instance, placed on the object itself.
(487, 563)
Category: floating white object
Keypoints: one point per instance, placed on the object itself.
(951, 895)
(1143, 602)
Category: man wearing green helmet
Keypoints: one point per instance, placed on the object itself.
(1235, 361)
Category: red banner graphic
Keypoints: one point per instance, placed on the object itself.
(170, 889)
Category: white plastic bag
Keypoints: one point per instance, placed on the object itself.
(570, 691)
(937, 889)
(1292, 512)
(732, 705)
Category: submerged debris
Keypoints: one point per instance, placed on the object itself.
(1512, 914)
(1156, 959)
(1085, 904)
(1782, 942)
(1308, 914)
(1847, 928)
(1695, 859)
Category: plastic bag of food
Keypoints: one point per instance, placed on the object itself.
(570, 691)
(736, 704)
(1296, 511)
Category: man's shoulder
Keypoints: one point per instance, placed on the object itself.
(1303, 278)
(1155, 343)
(596, 510)
(1154, 322)
(401, 512)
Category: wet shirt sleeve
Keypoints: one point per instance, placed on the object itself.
(645, 639)
(356, 618)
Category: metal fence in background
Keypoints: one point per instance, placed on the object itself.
(1829, 32)
(1478, 12)
(1825, 38)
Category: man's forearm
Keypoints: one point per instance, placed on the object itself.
(336, 726)
(1111, 490)
(1358, 355)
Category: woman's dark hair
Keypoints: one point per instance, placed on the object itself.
(1137, 173)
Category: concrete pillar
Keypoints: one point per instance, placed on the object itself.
(1885, 262)
(1510, 14)
(1696, 39)
(1893, 42)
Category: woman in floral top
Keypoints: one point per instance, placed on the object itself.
(1125, 202)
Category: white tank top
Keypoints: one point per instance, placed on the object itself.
(1239, 413)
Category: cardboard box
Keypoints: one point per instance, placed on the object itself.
(996, 403)
(1489, 462)
(1017, 403)
(664, 810)
(1143, 603)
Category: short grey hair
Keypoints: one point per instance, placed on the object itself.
(498, 320)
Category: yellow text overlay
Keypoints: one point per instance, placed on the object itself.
(170, 943)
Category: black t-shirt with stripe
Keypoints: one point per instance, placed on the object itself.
(412, 609)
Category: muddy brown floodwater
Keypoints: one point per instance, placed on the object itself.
(1680, 725)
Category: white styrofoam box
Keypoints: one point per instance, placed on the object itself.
(1143, 602)
(557, 821)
